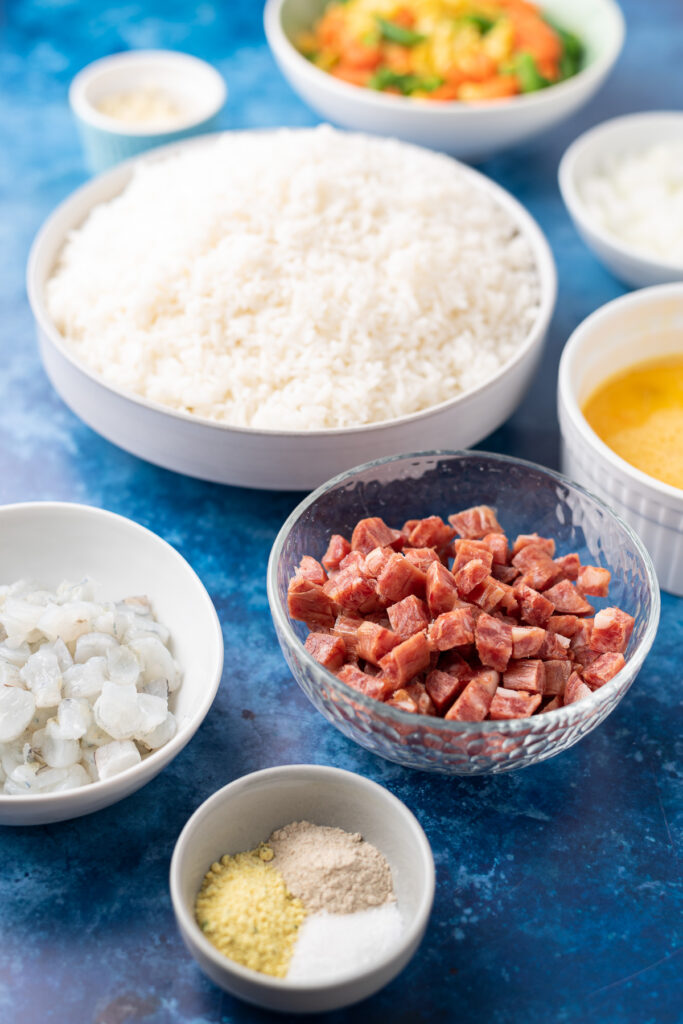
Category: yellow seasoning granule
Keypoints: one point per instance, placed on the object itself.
(245, 909)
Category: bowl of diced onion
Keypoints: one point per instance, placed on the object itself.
(476, 125)
(622, 184)
(527, 499)
(110, 657)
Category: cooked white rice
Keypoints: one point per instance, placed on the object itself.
(297, 280)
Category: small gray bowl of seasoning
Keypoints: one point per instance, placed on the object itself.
(133, 101)
(302, 888)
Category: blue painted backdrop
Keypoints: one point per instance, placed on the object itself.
(558, 887)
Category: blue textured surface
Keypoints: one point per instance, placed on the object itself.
(558, 887)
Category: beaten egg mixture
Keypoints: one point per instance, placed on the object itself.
(639, 415)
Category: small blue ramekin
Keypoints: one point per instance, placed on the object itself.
(198, 89)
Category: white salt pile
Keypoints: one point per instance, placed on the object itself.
(330, 945)
(84, 686)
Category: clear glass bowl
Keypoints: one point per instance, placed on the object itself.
(527, 498)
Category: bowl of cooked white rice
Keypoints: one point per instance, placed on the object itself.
(110, 657)
(269, 308)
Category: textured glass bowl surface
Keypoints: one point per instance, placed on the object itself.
(527, 498)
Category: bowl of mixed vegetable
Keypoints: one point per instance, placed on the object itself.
(467, 76)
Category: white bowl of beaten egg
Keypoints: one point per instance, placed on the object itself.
(267, 309)
(622, 371)
(243, 814)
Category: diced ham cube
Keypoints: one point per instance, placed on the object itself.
(329, 650)
(443, 688)
(372, 686)
(399, 579)
(540, 575)
(554, 647)
(513, 704)
(418, 692)
(570, 566)
(471, 575)
(552, 705)
(593, 580)
(354, 561)
(421, 558)
(442, 593)
(310, 569)
(567, 625)
(546, 544)
(526, 641)
(352, 591)
(488, 594)
(575, 689)
(408, 616)
(494, 642)
(451, 629)
(406, 660)
(466, 550)
(475, 700)
(403, 700)
(337, 549)
(475, 522)
(582, 635)
(430, 533)
(505, 573)
(497, 544)
(603, 669)
(408, 528)
(346, 627)
(376, 559)
(535, 608)
(374, 533)
(374, 642)
(508, 603)
(309, 603)
(567, 600)
(532, 553)
(556, 675)
(528, 674)
(584, 656)
(455, 664)
(612, 630)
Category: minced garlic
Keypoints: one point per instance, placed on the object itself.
(245, 909)
(148, 106)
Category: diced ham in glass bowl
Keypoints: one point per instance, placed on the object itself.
(461, 612)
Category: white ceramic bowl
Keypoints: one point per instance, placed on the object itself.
(620, 136)
(641, 326)
(54, 541)
(197, 88)
(278, 460)
(467, 130)
(241, 815)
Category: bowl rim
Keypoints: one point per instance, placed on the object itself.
(282, 46)
(83, 109)
(36, 287)
(398, 810)
(589, 142)
(157, 759)
(567, 395)
(397, 715)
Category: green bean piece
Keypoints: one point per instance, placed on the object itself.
(394, 33)
(479, 21)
